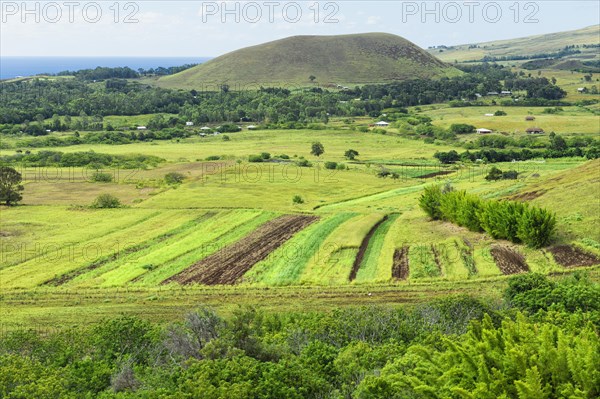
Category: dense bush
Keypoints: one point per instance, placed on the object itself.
(102, 177)
(174, 178)
(106, 201)
(462, 128)
(509, 220)
(442, 348)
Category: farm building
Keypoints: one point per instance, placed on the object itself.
(506, 93)
(189, 123)
(251, 127)
(204, 128)
(141, 128)
(483, 131)
(488, 115)
(535, 130)
(530, 118)
(492, 93)
(382, 124)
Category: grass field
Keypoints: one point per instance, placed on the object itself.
(63, 262)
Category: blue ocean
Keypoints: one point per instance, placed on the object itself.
(11, 67)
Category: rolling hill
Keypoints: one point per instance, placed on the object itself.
(525, 46)
(346, 59)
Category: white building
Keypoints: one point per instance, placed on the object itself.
(483, 131)
(382, 124)
(189, 123)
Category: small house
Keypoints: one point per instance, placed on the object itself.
(530, 118)
(252, 127)
(204, 128)
(488, 114)
(141, 128)
(382, 124)
(581, 89)
(506, 93)
(483, 131)
(535, 130)
(492, 93)
(189, 123)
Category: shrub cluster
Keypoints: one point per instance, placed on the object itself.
(514, 221)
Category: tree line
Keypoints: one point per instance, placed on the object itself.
(518, 222)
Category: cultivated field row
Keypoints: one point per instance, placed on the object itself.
(211, 247)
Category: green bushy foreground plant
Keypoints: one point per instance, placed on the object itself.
(509, 220)
(454, 347)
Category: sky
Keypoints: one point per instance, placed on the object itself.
(206, 28)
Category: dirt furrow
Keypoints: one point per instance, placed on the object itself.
(400, 269)
(363, 248)
(229, 264)
(508, 260)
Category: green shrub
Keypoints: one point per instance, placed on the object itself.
(430, 202)
(265, 155)
(106, 201)
(174, 178)
(303, 163)
(331, 165)
(461, 128)
(499, 113)
(255, 158)
(213, 157)
(297, 200)
(102, 177)
(536, 227)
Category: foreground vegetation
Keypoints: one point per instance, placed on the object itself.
(541, 341)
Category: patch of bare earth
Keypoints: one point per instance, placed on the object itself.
(508, 260)
(523, 197)
(400, 268)
(228, 265)
(570, 256)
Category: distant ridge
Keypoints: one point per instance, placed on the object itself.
(525, 46)
(345, 59)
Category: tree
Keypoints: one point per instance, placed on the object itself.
(312, 78)
(10, 185)
(351, 154)
(317, 149)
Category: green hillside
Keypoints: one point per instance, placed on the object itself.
(332, 60)
(525, 46)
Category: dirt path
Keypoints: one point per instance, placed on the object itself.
(400, 269)
(508, 260)
(570, 256)
(229, 264)
(363, 248)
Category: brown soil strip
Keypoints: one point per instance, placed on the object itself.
(570, 256)
(65, 278)
(400, 269)
(229, 264)
(528, 196)
(434, 174)
(436, 256)
(363, 249)
(508, 260)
